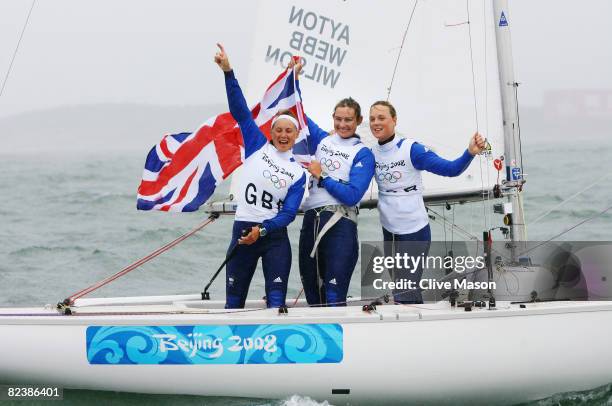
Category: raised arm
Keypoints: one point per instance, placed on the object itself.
(251, 134)
(316, 132)
(426, 160)
(359, 180)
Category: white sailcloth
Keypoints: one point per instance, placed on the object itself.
(351, 49)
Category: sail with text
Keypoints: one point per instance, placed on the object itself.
(182, 171)
(445, 88)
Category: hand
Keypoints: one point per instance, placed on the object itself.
(222, 60)
(250, 237)
(477, 144)
(315, 169)
(297, 66)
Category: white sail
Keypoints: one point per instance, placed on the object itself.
(351, 48)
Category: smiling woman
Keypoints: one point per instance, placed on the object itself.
(272, 188)
(284, 130)
(403, 216)
(341, 174)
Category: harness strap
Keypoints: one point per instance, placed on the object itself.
(339, 212)
(320, 281)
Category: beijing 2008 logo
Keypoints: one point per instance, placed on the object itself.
(330, 164)
(276, 181)
(391, 177)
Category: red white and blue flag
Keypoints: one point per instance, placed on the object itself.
(182, 171)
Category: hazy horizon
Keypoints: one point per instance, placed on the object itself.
(137, 127)
(78, 55)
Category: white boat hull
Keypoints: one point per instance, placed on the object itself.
(397, 354)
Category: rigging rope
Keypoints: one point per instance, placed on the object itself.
(401, 48)
(70, 300)
(467, 6)
(569, 229)
(486, 66)
(475, 100)
(465, 233)
(518, 128)
(601, 213)
(485, 218)
(452, 228)
(8, 72)
(541, 216)
(459, 229)
(488, 221)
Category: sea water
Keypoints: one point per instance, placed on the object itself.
(69, 220)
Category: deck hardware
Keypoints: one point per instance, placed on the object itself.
(492, 303)
(64, 307)
(369, 307)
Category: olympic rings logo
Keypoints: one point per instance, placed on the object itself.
(330, 164)
(391, 177)
(276, 181)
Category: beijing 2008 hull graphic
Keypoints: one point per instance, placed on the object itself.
(215, 344)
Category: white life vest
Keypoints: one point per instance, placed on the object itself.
(266, 178)
(336, 155)
(400, 188)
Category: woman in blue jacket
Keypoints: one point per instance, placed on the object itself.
(271, 189)
(399, 163)
(340, 175)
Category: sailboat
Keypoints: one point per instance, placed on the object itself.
(454, 77)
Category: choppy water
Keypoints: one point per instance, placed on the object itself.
(68, 221)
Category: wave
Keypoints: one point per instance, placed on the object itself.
(586, 213)
(598, 396)
(34, 249)
(297, 400)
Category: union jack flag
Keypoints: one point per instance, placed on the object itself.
(182, 171)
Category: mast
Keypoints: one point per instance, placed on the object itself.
(512, 149)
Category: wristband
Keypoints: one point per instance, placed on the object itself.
(321, 178)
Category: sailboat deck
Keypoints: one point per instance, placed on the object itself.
(189, 310)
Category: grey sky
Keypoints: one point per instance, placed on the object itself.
(160, 52)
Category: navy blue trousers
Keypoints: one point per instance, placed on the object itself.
(337, 256)
(416, 244)
(275, 253)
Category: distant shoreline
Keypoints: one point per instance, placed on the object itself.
(113, 128)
